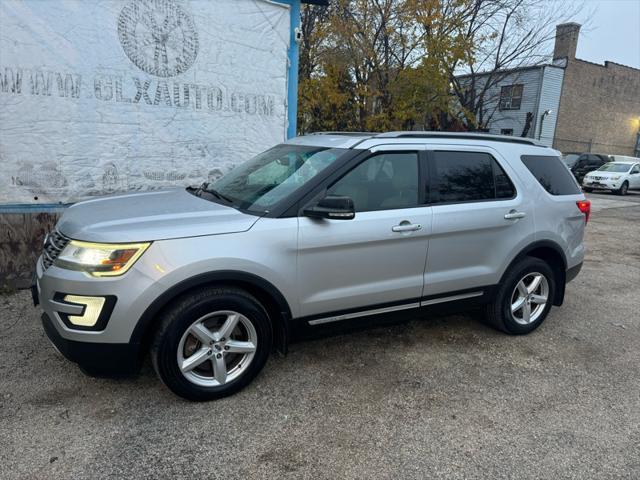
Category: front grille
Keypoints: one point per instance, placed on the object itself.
(53, 245)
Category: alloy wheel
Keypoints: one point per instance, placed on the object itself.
(529, 298)
(217, 348)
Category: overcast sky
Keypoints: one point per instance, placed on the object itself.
(613, 33)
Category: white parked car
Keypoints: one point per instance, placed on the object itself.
(618, 177)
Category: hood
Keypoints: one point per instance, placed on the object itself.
(150, 216)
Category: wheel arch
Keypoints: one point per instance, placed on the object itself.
(264, 291)
(554, 256)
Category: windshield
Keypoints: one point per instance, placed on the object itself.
(263, 181)
(615, 167)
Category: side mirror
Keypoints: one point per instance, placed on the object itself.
(333, 207)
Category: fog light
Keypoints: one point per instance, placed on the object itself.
(92, 308)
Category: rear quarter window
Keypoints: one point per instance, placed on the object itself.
(554, 177)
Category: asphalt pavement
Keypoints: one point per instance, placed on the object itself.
(437, 397)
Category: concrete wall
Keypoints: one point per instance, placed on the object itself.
(599, 108)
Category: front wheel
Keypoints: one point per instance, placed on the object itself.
(624, 188)
(211, 343)
(524, 298)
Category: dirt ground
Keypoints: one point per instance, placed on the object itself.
(440, 397)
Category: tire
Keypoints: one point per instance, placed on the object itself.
(499, 313)
(239, 335)
(624, 188)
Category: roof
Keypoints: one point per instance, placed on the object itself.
(507, 71)
(352, 139)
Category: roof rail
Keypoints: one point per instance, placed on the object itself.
(462, 135)
(347, 134)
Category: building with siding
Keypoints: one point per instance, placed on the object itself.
(569, 104)
(516, 101)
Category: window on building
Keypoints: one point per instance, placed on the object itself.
(468, 177)
(552, 174)
(511, 97)
(507, 131)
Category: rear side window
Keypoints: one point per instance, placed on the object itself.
(551, 174)
(468, 177)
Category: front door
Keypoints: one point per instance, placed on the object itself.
(377, 259)
(634, 177)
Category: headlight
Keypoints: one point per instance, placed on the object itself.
(100, 259)
(615, 178)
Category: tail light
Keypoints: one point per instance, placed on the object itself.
(585, 207)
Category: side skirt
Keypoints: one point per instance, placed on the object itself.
(385, 314)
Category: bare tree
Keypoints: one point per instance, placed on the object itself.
(499, 35)
(314, 22)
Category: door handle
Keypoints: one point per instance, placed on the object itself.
(513, 214)
(406, 227)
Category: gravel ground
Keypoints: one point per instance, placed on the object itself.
(441, 397)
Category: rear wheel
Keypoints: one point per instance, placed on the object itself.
(524, 298)
(212, 343)
(624, 188)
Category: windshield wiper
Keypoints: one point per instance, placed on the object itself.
(205, 188)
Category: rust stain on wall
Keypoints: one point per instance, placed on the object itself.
(21, 237)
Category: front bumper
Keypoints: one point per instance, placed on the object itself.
(116, 358)
(602, 184)
(109, 347)
(132, 293)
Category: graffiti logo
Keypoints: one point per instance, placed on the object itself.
(158, 36)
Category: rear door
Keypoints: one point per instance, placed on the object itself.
(479, 219)
(376, 260)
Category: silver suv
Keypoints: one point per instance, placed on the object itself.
(323, 230)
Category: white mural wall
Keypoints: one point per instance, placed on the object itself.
(104, 96)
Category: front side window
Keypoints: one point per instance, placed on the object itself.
(511, 97)
(385, 181)
(467, 177)
(551, 174)
(270, 177)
